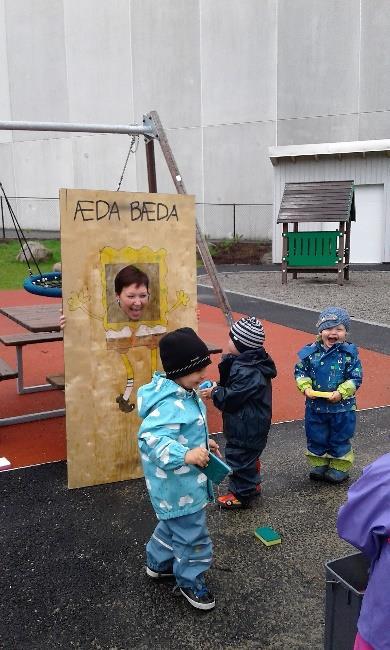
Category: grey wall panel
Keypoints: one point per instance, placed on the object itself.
(99, 160)
(336, 128)
(36, 63)
(375, 61)
(43, 166)
(5, 106)
(318, 57)
(98, 52)
(374, 126)
(7, 168)
(166, 60)
(238, 61)
(236, 164)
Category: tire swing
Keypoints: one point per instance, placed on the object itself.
(43, 284)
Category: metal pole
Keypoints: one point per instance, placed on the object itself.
(145, 129)
(151, 166)
(2, 216)
(200, 239)
(234, 220)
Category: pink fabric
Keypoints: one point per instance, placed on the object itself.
(361, 644)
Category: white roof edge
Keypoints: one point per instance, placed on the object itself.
(328, 148)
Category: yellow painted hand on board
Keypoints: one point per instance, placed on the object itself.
(182, 299)
(79, 301)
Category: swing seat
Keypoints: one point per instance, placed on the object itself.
(48, 284)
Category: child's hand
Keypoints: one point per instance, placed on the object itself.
(336, 396)
(214, 447)
(197, 456)
(62, 321)
(206, 392)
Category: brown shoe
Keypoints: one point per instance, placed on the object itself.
(124, 404)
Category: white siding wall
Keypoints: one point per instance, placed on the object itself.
(371, 170)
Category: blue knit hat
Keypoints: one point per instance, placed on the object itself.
(332, 317)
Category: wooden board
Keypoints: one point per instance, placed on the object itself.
(102, 232)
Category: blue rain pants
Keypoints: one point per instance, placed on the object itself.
(329, 433)
(181, 545)
(245, 480)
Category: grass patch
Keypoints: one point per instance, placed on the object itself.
(13, 273)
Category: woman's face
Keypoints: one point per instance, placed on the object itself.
(133, 300)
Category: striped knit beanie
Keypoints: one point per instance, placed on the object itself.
(247, 334)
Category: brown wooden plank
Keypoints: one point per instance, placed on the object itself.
(320, 184)
(317, 196)
(6, 372)
(317, 190)
(58, 381)
(36, 318)
(311, 219)
(315, 205)
(28, 338)
(309, 210)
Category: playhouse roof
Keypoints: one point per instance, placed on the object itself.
(322, 201)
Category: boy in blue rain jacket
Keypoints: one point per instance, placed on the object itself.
(330, 364)
(173, 440)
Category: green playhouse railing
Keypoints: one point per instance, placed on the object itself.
(315, 248)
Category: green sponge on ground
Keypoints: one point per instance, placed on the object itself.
(268, 536)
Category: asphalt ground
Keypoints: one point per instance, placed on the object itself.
(372, 336)
(73, 561)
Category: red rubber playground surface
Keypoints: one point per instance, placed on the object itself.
(45, 440)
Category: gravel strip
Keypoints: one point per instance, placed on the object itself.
(366, 295)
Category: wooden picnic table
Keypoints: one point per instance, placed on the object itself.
(43, 323)
(35, 318)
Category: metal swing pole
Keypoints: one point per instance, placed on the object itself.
(151, 129)
(153, 119)
(129, 129)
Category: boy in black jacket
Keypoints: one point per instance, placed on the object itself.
(244, 395)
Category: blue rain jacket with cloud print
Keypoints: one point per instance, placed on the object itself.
(174, 421)
(329, 369)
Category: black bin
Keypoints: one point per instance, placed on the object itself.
(346, 581)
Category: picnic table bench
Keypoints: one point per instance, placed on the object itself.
(42, 323)
(20, 340)
(6, 372)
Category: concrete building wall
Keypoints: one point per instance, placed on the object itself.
(229, 78)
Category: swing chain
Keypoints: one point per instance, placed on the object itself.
(134, 142)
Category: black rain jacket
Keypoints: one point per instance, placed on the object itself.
(244, 395)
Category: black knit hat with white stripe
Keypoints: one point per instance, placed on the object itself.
(247, 334)
(183, 352)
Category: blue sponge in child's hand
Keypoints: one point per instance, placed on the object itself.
(205, 384)
(268, 536)
(216, 470)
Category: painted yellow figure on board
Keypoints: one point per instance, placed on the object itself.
(135, 307)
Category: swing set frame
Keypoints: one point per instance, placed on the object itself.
(152, 130)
